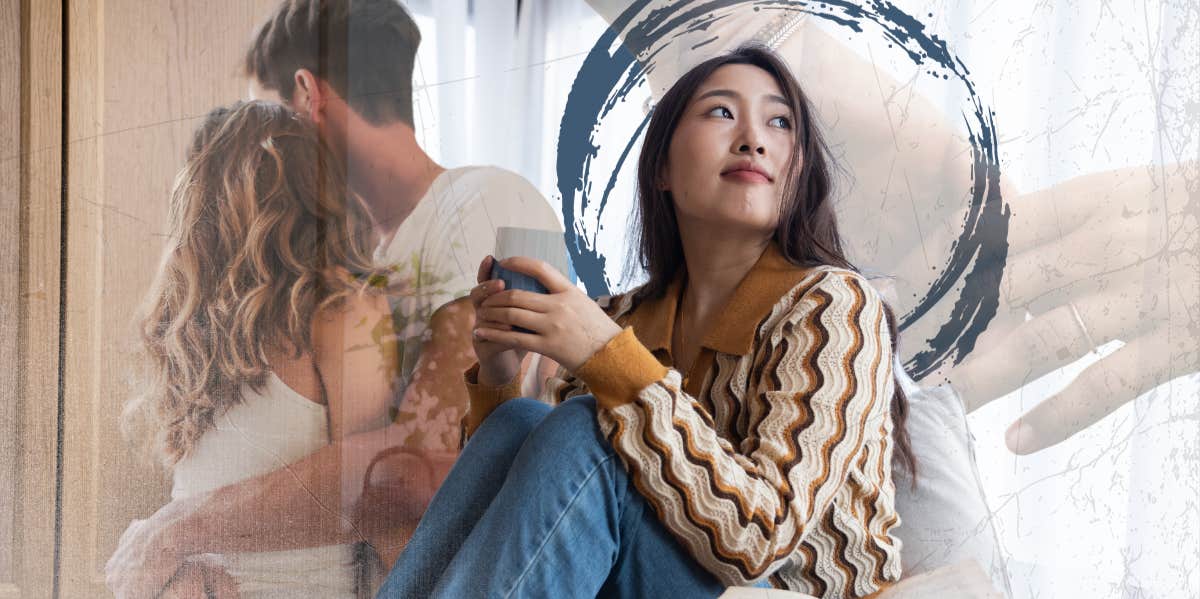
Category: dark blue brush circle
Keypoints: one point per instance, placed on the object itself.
(610, 72)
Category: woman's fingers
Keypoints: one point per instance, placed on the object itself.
(1082, 262)
(547, 275)
(1100, 389)
(512, 339)
(1100, 203)
(1034, 348)
(568, 327)
(1005, 361)
(516, 298)
(1046, 215)
(1099, 230)
(484, 290)
(489, 324)
(516, 317)
(219, 584)
(485, 269)
(187, 583)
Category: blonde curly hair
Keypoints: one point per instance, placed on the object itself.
(264, 234)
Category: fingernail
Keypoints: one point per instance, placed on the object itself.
(1019, 438)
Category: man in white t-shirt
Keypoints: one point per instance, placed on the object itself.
(347, 66)
(445, 237)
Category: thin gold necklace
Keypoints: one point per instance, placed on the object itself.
(682, 326)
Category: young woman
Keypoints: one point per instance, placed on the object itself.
(254, 333)
(731, 422)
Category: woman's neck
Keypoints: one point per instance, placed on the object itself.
(716, 263)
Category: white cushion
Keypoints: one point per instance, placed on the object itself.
(946, 519)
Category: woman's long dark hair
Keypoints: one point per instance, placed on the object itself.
(807, 233)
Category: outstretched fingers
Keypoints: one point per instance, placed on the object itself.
(1012, 354)
(1100, 389)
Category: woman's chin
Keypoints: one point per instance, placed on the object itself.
(750, 216)
(749, 226)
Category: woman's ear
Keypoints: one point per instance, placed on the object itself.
(308, 98)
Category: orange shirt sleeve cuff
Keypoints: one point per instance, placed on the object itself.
(620, 370)
(485, 398)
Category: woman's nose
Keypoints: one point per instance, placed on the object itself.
(745, 148)
(749, 140)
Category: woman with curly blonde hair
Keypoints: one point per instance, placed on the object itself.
(265, 335)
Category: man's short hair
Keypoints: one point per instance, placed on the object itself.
(364, 49)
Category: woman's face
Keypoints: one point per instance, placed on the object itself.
(730, 153)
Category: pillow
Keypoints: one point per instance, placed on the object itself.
(946, 519)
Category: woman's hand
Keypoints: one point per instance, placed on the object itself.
(568, 327)
(144, 562)
(187, 583)
(200, 580)
(498, 364)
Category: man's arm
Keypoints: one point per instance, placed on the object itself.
(320, 493)
(314, 501)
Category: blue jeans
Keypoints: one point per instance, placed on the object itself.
(538, 505)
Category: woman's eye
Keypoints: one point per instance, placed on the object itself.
(722, 112)
(782, 122)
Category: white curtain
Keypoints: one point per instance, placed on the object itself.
(1078, 88)
(492, 80)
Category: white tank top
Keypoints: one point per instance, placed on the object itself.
(268, 430)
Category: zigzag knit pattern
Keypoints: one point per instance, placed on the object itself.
(781, 468)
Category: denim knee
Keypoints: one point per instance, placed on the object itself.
(521, 411)
(516, 417)
(571, 424)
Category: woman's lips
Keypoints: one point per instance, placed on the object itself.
(745, 176)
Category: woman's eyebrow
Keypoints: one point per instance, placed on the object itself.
(728, 93)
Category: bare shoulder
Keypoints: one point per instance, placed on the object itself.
(355, 352)
(359, 315)
(451, 323)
